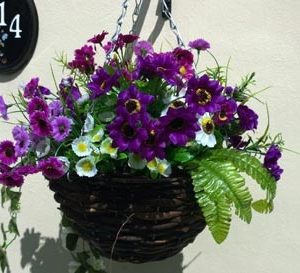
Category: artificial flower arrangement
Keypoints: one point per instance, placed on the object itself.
(151, 115)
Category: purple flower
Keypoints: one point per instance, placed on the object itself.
(127, 132)
(270, 161)
(11, 179)
(52, 168)
(56, 108)
(61, 127)
(26, 170)
(248, 118)
(102, 82)
(22, 139)
(179, 126)
(37, 104)
(155, 145)
(199, 44)
(40, 125)
(237, 142)
(185, 60)
(98, 39)
(3, 109)
(33, 89)
(227, 110)
(84, 60)
(203, 95)
(69, 93)
(230, 91)
(132, 101)
(7, 152)
(143, 48)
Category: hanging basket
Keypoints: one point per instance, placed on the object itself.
(130, 218)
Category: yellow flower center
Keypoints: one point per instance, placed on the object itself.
(87, 166)
(207, 125)
(133, 106)
(204, 96)
(161, 168)
(82, 147)
(182, 70)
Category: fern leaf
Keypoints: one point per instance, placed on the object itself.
(263, 206)
(250, 165)
(222, 179)
(217, 214)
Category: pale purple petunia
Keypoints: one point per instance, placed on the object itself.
(40, 124)
(22, 138)
(61, 127)
(3, 109)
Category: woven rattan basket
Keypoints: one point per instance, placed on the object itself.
(131, 218)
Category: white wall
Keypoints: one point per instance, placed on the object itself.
(261, 36)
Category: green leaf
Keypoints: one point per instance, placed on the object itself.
(181, 155)
(263, 206)
(12, 226)
(71, 241)
(81, 269)
(250, 165)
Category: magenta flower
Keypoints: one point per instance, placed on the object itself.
(37, 104)
(11, 179)
(185, 59)
(61, 127)
(84, 60)
(7, 152)
(22, 139)
(3, 109)
(33, 89)
(199, 44)
(143, 48)
(98, 39)
(40, 125)
(52, 168)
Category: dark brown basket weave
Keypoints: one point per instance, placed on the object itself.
(129, 218)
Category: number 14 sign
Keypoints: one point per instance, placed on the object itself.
(18, 34)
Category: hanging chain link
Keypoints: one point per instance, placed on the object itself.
(173, 25)
(135, 15)
(118, 29)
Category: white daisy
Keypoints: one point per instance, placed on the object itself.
(107, 148)
(89, 123)
(206, 136)
(82, 146)
(160, 166)
(136, 162)
(86, 167)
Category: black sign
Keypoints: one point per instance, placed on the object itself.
(18, 34)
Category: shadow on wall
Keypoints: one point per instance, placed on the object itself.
(43, 255)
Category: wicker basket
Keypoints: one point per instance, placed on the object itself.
(130, 218)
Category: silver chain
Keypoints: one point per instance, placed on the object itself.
(118, 29)
(135, 15)
(173, 25)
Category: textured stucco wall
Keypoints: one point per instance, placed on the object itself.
(261, 36)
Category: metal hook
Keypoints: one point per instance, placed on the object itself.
(166, 10)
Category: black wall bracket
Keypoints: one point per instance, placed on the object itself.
(164, 10)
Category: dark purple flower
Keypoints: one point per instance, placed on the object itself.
(185, 60)
(108, 47)
(155, 145)
(102, 82)
(98, 39)
(179, 126)
(237, 142)
(61, 128)
(270, 161)
(230, 91)
(37, 104)
(11, 179)
(227, 110)
(248, 118)
(68, 92)
(143, 48)
(33, 89)
(3, 109)
(203, 95)
(132, 101)
(128, 133)
(4, 168)
(199, 44)
(52, 168)
(56, 108)
(26, 170)
(7, 152)
(22, 138)
(40, 124)
(84, 60)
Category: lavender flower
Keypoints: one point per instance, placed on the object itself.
(143, 48)
(33, 89)
(56, 108)
(270, 161)
(199, 44)
(61, 127)
(22, 139)
(84, 60)
(204, 95)
(7, 152)
(69, 93)
(179, 126)
(52, 168)
(40, 125)
(3, 109)
(248, 118)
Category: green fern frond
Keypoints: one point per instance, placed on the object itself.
(217, 214)
(251, 166)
